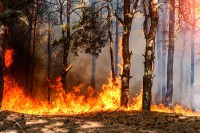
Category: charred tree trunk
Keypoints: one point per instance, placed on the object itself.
(192, 53)
(2, 38)
(33, 49)
(28, 53)
(150, 35)
(49, 60)
(93, 77)
(170, 62)
(111, 43)
(28, 50)
(126, 54)
(66, 47)
(117, 41)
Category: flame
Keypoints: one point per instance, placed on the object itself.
(74, 102)
(8, 57)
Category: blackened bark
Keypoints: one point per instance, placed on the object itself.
(150, 35)
(28, 52)
(49, 60)
(66, 47)
(169, 94)
(111, 43)
(1, 68)
(126, 54)
(93, 76)
(33, 49)
(117, 41)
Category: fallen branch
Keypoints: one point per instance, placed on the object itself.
(68, 68)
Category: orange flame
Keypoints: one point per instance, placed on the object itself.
(74, 102)
(8, 57)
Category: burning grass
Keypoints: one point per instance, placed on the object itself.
(14, 99)
(74, 102)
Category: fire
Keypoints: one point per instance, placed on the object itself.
(69, 104)
(8, 57)
(74, 102)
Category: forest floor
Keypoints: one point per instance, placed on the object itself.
(117, 121)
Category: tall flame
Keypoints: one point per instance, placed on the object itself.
(8, 57)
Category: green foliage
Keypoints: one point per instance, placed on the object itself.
(90, 33)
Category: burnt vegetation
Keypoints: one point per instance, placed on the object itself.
(48, 36)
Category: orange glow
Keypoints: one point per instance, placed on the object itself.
(8, 57)
(74, 102)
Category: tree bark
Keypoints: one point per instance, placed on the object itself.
(49, 59)
(93, 77)
(117, 41)
(66, 47)
(28, 52)
(164, 49)
(126, 54)
(181, 63)
(192, 53)
(159, 45)
(33, 50)
(1, 68)
(170, 62)
(111, 43)
(150, 35)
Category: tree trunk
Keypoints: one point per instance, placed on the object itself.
(192, 53)
(150, 35)
(181, 63)
(169, 94)
(28, 53)
(164, 49)
(66, 47)
(111, 43)
(33, 50)
(93, 77)
(159, 45)
(2, 38)
(126, 55)
(49, 60)
(117, 41)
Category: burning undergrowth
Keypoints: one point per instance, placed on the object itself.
(75, 102)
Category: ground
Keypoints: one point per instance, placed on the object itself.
(116, 121)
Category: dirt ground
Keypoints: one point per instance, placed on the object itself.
(100, 122)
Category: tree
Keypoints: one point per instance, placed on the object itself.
(1, 63)
(170, 62)
(4, 14)
(66, 46)
(110, 42)
(49, 57)
(129, 13)
(164, 48)
(36, 14)
(192, 53)
(117, 40)
(150, 28)
(159, 49)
